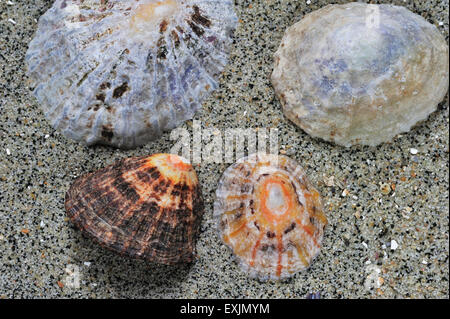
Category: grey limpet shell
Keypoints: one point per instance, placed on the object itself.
(359, 73)
(120, 72)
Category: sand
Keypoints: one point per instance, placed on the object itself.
(387, 206)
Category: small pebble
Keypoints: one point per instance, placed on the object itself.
(373, 279)
(394, 244)
(329, 181)
(385, 188)
(406, 211)
(413, 151)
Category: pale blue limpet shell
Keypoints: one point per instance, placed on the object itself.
(360, 73)
(122, 72)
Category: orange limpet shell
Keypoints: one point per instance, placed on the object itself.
(270, 216)
(142, 207)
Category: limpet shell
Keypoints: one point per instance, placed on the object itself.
(142, 207)
(360, 73)
(121, 72)
(270, 215)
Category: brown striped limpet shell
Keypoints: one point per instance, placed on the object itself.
(142, 207)
(269, 215)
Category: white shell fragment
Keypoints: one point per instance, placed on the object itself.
(121, 72)
(360, 73)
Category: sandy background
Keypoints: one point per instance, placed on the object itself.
(37, 165)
